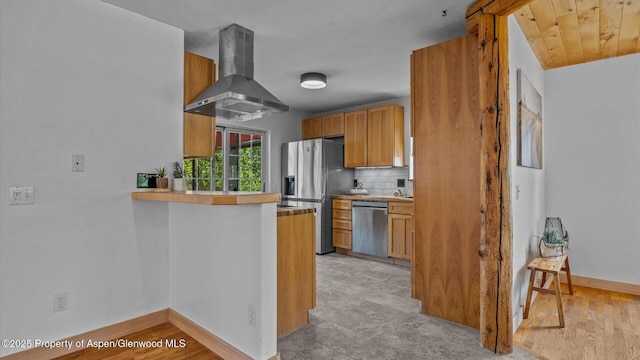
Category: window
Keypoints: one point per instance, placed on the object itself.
(237, 164)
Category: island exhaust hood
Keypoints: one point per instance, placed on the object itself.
(236, 96)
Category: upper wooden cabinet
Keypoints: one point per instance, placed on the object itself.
(374, 137)
(198, 130)
(312, 128)
(323, 127)
(333, 125)
(355, 138)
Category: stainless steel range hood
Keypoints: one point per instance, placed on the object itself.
(236, 96)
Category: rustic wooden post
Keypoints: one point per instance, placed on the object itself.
(489, 19)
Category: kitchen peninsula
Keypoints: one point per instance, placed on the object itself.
(222, 256)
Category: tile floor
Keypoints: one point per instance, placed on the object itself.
(364, 310)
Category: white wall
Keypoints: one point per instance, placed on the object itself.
(528, 208)
(83, 77)
(592, 132)
(282, 128)
(220, 267)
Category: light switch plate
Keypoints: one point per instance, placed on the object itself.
(22, 195)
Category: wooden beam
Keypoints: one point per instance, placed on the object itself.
(496, 7)
(496, 328)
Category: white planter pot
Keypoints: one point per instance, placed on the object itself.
(179, 185)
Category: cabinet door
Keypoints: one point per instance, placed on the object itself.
(333, 125)
(342, 239)
(383, 144)
(355, 138)
(312, 128)
(198, 130)
(400, 228)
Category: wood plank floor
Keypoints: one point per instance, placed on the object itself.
(191, 350)
(599, 324)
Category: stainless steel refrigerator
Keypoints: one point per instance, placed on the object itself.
(312, 172)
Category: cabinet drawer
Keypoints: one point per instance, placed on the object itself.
(342, 224)
(342, 204)
(342, 214)
(397, 207)
(342, 238)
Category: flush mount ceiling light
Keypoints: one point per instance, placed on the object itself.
(313, 80)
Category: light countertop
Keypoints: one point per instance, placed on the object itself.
(373, 198)
(288, 211)
(207, 197)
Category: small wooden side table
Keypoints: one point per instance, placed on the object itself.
(553, 266)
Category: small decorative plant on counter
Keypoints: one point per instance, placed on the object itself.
(179, 183)
(162, 182)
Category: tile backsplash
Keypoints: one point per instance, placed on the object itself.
(383, 181)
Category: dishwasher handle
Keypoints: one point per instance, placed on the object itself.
(370, 204)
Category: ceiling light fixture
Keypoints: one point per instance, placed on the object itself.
(313, 80)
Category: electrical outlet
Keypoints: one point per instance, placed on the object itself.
(77, 163)
(60, 302)
(400, 183)
(252, 316)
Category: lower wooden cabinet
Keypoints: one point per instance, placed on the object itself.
(400, 234)
(296, 271)
(342, 238)
(342, 224)
(400, 229)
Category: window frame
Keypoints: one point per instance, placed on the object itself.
(226, 131)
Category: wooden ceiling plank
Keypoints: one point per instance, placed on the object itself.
(610, 18)
(564, 7)
(567, 20)
(629, 41)
(545, 17)
(532, 33)
(589, 19)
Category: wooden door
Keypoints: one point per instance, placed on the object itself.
(312, 128)
(333, 125)
(447, 153)
(355, 138)
(198, 130)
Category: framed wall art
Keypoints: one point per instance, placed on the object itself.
(529, 124)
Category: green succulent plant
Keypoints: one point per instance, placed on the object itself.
(178, 172)
(551, 236)
(161, 172)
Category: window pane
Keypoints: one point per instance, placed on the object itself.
(233, 167)
(234, 143)
(233, 185)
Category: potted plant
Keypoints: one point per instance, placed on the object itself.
(161, 181)
(552, 243)
(179, 183)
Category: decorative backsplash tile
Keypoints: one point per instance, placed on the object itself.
(383, 181)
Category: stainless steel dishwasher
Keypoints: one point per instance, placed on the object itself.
(370, 228)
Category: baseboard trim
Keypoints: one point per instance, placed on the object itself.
(620, 287)
(110, 332)
(102, 334)
(203, 336)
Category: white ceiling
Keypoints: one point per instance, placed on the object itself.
(363, 46)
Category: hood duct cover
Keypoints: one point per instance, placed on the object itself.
(236, 96)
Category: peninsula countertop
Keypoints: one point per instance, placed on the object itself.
(294, 210)
(207, 197)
